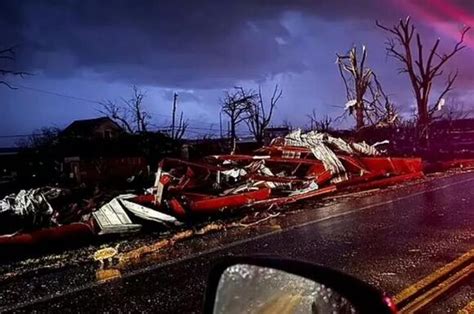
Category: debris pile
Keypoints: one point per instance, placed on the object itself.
(296, 167)
(293, 168)
(29, 209)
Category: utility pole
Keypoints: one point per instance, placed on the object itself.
(220, 123)
(175, 98)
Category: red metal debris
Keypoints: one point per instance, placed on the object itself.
(389, 181)
(219, 204)
(177, 208)
(324, 177)
(353, 182)
(278, 201)
(276, 175)
(296, 168)
(66, 234)
(396, 166)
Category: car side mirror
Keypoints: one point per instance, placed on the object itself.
(272, 285)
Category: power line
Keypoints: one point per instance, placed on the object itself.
(39, 90)
(58, 94)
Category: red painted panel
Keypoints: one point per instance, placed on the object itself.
(392, 165)
(214, 205)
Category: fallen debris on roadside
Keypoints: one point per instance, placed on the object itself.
(294, 168)
(297, 167)
(29, 209)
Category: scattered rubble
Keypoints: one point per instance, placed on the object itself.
(28, 209)
(297, 167)
(293, 168)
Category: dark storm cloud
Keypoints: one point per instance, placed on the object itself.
(97, 49)
(196, 44)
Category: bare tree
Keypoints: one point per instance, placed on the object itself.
(313, 117)
(235, 105)
(173, 113)
(287, 124)
(41, 138)
(454, 110)
(177, 131)
(8, 56)
(118, 113)
(366, 98)
(421, 67)
(323, 124)
(181, 127)
(130, 114)
(259, 115)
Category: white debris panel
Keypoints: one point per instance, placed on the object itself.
(112, 218)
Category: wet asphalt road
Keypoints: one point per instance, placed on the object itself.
(391, 240)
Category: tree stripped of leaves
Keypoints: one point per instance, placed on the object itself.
(177, 130)
(286, 123)
(422, 66)
(7, 56)
(366, 98)
(259, 114)
(323, 124)
(130, 114)
(235, 105)
(454, 110)
(42, 138)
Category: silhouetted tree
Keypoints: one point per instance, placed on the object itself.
(366, 98)
(454, 110)
(177, 131)
(287, 124)
(259, 114)
(42, 138)
(319, 124)
(7, 56)
(130, 113)
(421, 67)
(235, 105)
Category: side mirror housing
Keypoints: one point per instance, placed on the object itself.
(275, 285)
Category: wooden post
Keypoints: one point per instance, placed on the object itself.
(175, 98)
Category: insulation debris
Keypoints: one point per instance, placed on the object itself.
(28, 209)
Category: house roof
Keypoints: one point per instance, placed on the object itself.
(277, 129)
(88, 125)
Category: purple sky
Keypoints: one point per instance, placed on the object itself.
(200, 48)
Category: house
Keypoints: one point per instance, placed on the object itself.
(93, 151)
(270, 133)
(98, 128)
